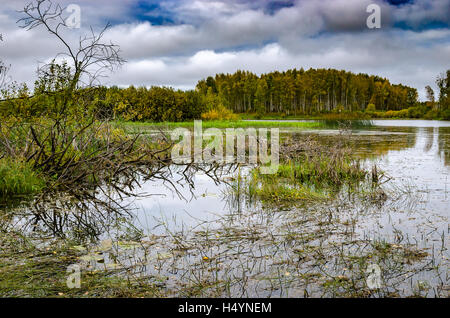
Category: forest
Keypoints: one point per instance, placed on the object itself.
(305, 92)
(291, 93)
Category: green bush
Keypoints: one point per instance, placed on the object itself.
(432, 114)
(417, 111)
(445, 114)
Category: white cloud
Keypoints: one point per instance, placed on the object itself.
(217, 36)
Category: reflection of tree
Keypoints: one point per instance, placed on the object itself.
(429, 138)
(376, 146)
(370, 146)
(88, 215)
(443, 144)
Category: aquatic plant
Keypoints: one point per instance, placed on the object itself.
(17, 178)
(308, 171)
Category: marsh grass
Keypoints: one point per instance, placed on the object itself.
(17, 178)
(28, 270)
(221, 124)
(309, 171)
(276, 190)
(314, 250)
(318, 249)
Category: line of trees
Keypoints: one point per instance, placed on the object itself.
(149, 104)
(113, 103)
(305, 92)
(293, 92)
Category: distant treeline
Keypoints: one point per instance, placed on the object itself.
(306, 92)
(294, 92)
(130, 104)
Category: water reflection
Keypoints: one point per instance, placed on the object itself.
(252, 250)
(444, 144)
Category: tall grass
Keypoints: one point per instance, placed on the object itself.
(308, 171)
(17, 178)
(74, 155)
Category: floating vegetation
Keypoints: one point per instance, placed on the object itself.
(309, 172)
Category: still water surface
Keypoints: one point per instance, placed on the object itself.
(252, 250)
(413, 153)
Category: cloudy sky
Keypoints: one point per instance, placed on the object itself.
(178, 42)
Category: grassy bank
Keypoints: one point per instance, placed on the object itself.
(136, 127)
(70, 155)
(18, 178)
(221, 124)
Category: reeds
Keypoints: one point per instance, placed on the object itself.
(17, 178)
(308, 171)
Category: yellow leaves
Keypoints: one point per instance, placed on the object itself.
(219, 113)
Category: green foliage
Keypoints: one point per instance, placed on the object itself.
(18, 178)
(132, 104)
(445, 114)
(316, 92)
(53, 78)
(155, 104)
(417, 112)
(404, 113)
(309, 92)
(443, 82)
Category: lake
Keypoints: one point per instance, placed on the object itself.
(218, 241)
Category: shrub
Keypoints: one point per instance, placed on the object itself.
(417, 111)
(402, 113)
(371, 108)
(219, 113)
(432, 114)
(445, 114)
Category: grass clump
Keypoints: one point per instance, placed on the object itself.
(308, 171)
(18, 178)
(268, 189)
(321, 172)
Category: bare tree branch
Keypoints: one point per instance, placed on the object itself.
(90, 57)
